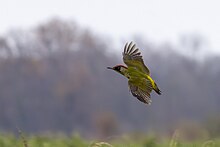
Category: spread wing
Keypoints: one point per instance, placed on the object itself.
(137, 90)
(132, 57)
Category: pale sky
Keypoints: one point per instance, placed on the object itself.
(157, 20)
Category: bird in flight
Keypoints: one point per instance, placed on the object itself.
(139, 81)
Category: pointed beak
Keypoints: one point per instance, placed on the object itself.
(109, 68)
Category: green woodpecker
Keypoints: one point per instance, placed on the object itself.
(139, 81)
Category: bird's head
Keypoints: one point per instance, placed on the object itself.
(119, 68)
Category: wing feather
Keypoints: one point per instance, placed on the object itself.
(132, 49)
(142, 94)
(125, 48)
(132, 57)
(129, 46)
(135, 52)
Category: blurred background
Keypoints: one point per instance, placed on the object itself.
(54, 54)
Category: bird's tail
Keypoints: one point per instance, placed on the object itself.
(156, 89)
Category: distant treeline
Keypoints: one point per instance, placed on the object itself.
(54, 78)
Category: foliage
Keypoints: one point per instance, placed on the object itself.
(75, 141)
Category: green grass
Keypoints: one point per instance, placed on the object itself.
(7, 140)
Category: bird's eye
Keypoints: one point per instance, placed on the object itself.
(118, 68)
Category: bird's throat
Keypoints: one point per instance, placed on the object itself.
(125, 73)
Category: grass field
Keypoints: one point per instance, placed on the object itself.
(76, 141)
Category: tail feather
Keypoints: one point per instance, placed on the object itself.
(157, 90)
